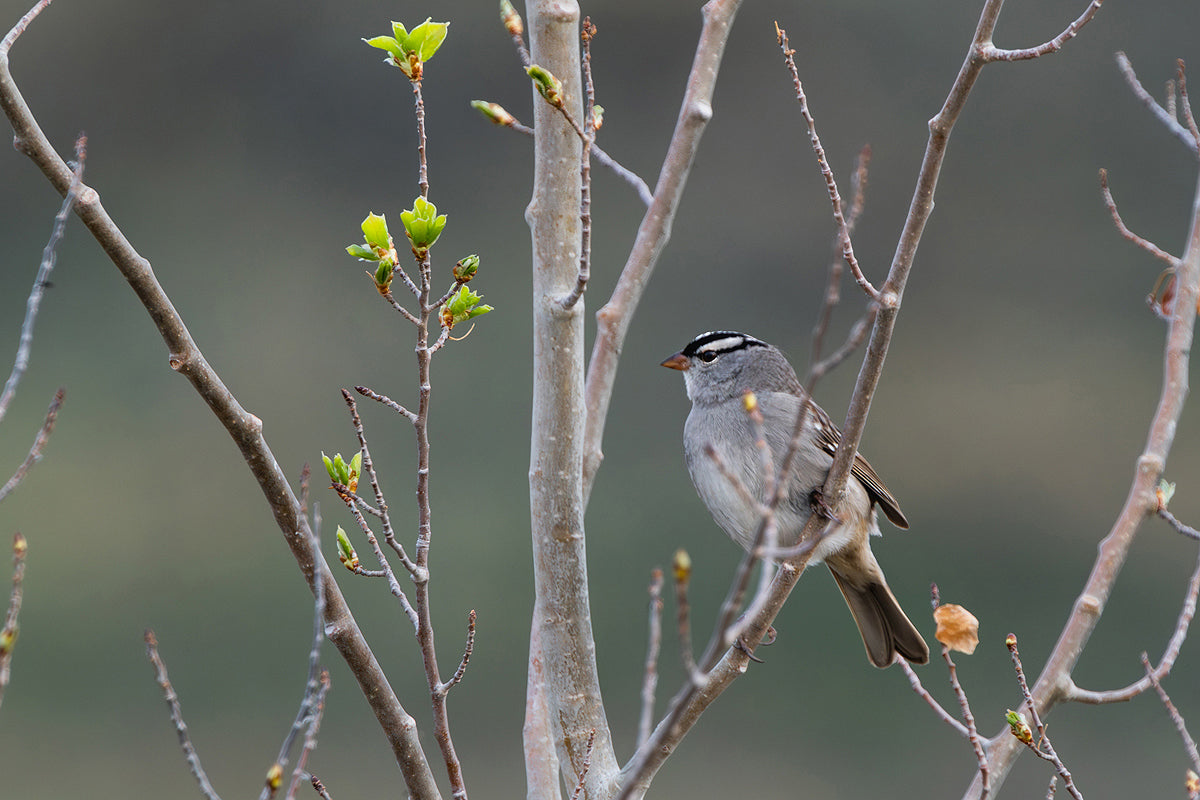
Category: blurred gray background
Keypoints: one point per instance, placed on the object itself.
(240, 145)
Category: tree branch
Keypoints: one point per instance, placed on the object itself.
(244, 428)
(1054, 685)
(564, 688)
(614, 318)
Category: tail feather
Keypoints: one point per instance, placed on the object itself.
(886, 630)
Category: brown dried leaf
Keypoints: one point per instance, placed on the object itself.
(957, 628)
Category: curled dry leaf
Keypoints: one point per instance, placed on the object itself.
(957, 628)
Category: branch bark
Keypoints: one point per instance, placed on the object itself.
(563, 694)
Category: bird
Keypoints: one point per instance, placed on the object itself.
(719, 369)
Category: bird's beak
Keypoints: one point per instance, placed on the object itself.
(678, 361)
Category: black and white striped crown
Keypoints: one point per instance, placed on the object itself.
(708, 346)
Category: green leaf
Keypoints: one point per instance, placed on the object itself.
(389, 44)
(462, 306)
(399, 31)
(423, 224)
(426, 38)
(363, 253)
(329, 467)
(375, 231)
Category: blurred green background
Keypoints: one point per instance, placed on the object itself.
(240, 145)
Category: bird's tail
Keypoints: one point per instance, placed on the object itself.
(886, 630)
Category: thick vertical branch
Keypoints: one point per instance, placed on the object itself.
(566, 683)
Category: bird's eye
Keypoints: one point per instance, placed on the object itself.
(708, 356)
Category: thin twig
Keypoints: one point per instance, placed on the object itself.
(1144, 244)
(49, 256)
(1180, 527)
(1164, 116)
(833, 282)
(387, 401)
(516, 29)
(419, 574)
(39, 444)
(466, 657)
(858, 334)
(391, 298)
(598, 153)
(1042, 748)
(181, 729)
(971, 730)
(587, 136)
(1189, 744)
(8, 634)
(319, 788)
(653, 646)
(938, 709)
(587, 764)
(244, 428)
(614, 318)
(1185, 105)
(682, 571)
(1186, 613)
(312, 686)
(310, 736)
(993, 53)
(843, 231)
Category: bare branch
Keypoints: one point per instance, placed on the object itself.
(1144, 244)
(21, 362)
(1042, 748)
(843, 231)
(1164, 116)
(650, 674)
(313, 690)
(1189, 744)
(319, 788)
(466, 657)
(310, 738)
(1180, 527)
(944, 715)
(391, 298)
(833, 283)
(682, 570)
(506, 120)
(1186, 613)
(587, 764)
(1054, 685)
(516, 28)
(587, 136)
(39, 444)
(243, 427)
(181, 729)
(614, 318)
(854, 340)
(561, 640)
(1185, 105)
(387, 401)
(8, 634)
(993, 53)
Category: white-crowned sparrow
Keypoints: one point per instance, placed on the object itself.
(719, 368)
